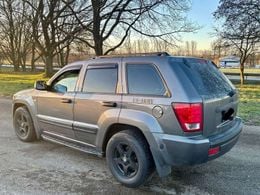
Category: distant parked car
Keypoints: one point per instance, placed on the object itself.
(257, 66)
(230, 62)
(141, 112)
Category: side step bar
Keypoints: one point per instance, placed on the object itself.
(86, 149)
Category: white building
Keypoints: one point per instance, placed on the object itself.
(229, 61)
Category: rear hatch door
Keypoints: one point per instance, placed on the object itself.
(219, 96)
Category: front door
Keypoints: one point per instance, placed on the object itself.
(97, 99)
(55, 106)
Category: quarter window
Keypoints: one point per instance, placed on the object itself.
(144, 79)
(100, 80)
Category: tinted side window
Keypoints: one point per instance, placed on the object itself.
(66, 82)
(100, 80)
(144, 79)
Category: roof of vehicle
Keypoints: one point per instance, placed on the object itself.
(140, 56)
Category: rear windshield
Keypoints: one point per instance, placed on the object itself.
(206, 78)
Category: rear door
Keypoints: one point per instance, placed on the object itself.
(146, 91)
(99, 94)
(219, 96)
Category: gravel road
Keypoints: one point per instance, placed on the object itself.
(46, 168)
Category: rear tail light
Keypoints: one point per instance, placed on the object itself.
(189, 115)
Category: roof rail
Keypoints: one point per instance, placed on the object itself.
(135, 54)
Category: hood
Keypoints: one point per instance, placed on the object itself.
(24, 93)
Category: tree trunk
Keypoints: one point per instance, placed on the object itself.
(16, 65)
(16, 68)
(67, 54)
(61, 58)
(24, 67)
(242, 76)
(33, 58)
(23, 62)
(98, 42)
(49, 66)
(98, 47)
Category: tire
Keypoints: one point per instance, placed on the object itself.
(23, 125)
(129, 158)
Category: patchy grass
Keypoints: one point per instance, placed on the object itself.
(237, 70)
(249, 105)
(11, 83)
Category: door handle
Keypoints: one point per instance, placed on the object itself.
(66, 101)
(109, 104)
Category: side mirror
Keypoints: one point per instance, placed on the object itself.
(40, 85)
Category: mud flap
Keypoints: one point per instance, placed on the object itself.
(162, 168)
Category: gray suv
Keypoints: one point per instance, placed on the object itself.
(142, 113)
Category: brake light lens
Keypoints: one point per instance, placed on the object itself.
(189, 115)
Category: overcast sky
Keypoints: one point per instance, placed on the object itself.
(201, 12)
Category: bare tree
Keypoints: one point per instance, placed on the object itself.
(187, 43)
(47, 28)
(241, 27)
(193, 45)
(112, 21)
(128, 45)
(54, 28)
(15, 39)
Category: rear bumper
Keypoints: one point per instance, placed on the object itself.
(179, 150)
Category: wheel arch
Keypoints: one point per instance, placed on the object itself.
(18, 105)
(147, 125)
(32, 112)
(116, 128)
